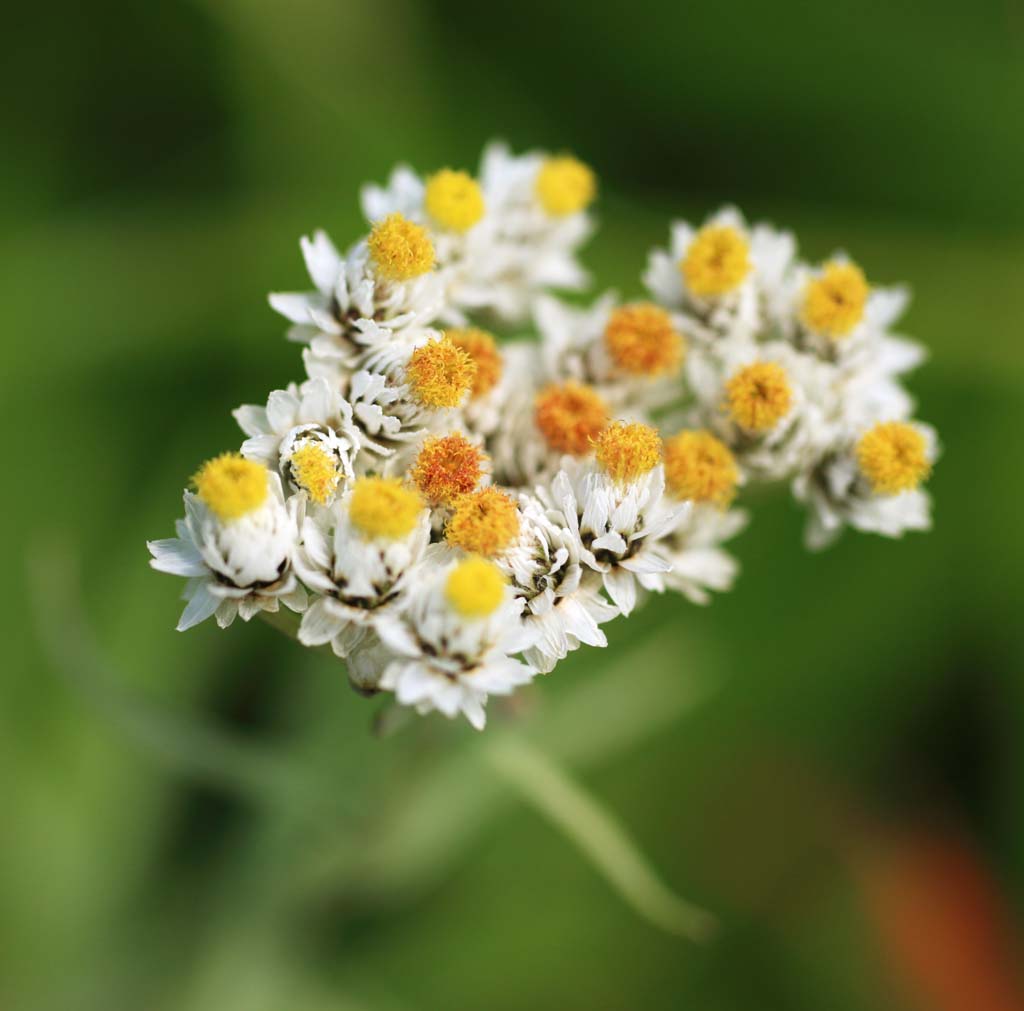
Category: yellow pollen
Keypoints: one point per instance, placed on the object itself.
(628, 450)
(453, 200)
(447, 467)
(475, 588)
(315, 471)
(485, 522)
(570, 416)
(700, 468)
(641, 340)
(893, 457)
(383, 507)
(758, 396)
(565, 185)
(483, 349)
(440, 373)
(717, 261)
(401, 250)
(834, 302)
(231, 486)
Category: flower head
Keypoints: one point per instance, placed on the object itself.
(642, 341)
(384, 507)
(717, 262)
(893, 456)
(700, 468)
(626, 451)
(834, 302)
(231, 486)
(485, 522)
(447, 467)
(475, 587)
(454, 200)
(570, 416)
(758, 396)
(565, 186)
(400, 249)
(440, 373)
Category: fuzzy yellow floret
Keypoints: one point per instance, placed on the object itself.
(483, 349)
(717, 261)
(485, 522)
(454, 200)
(231, 486)
(565, 186)
(315, 471)
(447, 467)
(570, 416)
(758, 396)
(384, 507)
(475, 588)
(628, 450)
(400, 249)
(641, 340)
(834, 303)
(700, 468)
(440, 373)
(893, 457)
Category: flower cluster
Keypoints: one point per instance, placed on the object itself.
(453, 515)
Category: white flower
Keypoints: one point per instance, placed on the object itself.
(307, 433)
(352, 305)
(721, 278)
(563, 602)
(872, 485)
(236, 547)
(359, 556)
(455, 643)
(616, 507)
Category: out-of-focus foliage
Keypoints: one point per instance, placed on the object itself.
(203, 821)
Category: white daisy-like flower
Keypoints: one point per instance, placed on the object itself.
(534, 222)
(359, 556)
(455, 643)
(702, 470)
(235, 546)
(873, 485)
(563, 601)
(617, 509)
(385, 283)
(776, 408)
(307, 433)
(721, 278)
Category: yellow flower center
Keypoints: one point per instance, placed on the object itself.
(485, 522)
(475, 588)
(628, 450)
(834, 302)
(641, 340)
(565, 186)
(453, 200)
(700, 468)
(483, 349)
(231, 486)
(758, 396)
(315, 471)
(440, 373)
(893, 457)
(570, 416)
(717, 261)
(400, 249)
(447, 467)
(383, 507)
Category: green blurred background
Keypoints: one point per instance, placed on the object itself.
(830, 757)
